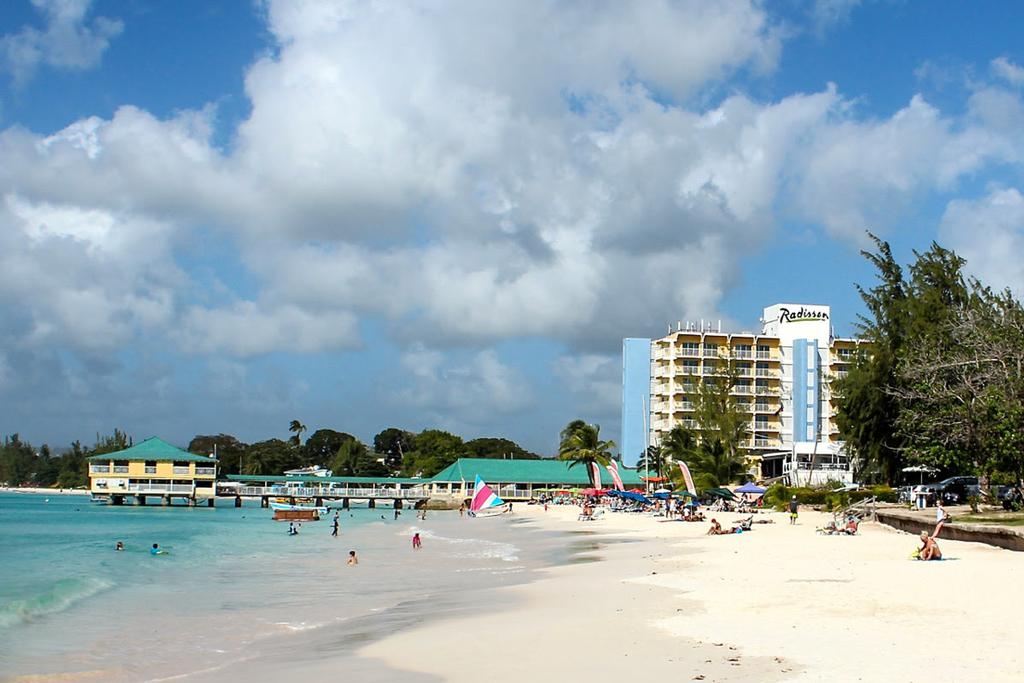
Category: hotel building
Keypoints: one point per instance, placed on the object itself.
(780, 377)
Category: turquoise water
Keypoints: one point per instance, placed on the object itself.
(232, 579)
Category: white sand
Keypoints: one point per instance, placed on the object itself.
(44, 491)
(779, 603)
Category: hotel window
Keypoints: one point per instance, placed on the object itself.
(764, 351)
(710, 349)
(743, 351)
(689, 349)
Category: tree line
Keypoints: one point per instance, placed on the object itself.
(943, 383)
(393, 452)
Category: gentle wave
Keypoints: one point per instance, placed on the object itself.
(62, 595)
(473, 547)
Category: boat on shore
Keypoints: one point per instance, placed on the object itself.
(288, 512)
(485, 502)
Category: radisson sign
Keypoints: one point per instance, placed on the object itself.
(801, 315)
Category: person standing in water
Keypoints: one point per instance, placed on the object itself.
(119, 546)
(334, 526)
(352, 559)
(416, 542)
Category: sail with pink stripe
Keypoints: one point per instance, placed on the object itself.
(596, 469)
(613, 469)
(483, 496)
(689, 479)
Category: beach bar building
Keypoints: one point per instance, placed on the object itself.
(520, 479)
(152, 468)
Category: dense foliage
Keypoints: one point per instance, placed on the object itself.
(23, 465)
(581, 444)
(944, 382)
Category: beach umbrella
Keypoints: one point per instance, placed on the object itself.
(750, 487)
(920, 468)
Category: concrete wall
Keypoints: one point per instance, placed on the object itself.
(999, 536)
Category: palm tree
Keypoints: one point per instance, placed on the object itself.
(678, 444)
(296, 428)
(714, 466)
(653, 460)
(582, 445)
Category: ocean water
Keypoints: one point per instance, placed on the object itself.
(232, 585)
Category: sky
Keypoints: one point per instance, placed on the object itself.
(222, 216)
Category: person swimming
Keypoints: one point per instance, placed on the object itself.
(352, 559)
(119, 546)
(155, 550)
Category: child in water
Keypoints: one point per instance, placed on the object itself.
(416, 542)
(352, 559)
(155, 550)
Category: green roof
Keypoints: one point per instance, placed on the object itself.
(336, 480)
(528, 472)
(152, 449)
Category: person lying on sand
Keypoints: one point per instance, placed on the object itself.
(851, 527)
(715, 529)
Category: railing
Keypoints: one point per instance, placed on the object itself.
(210, 471)
(180, 470)
(99, 469)
(686, 405)
(325, 492)
(689, 424)
(766, 391)
(764, 354)
(690, 370)
(765, 442)
(741, 389)
(120, 469)
(709, 370)
(688, 353)
(711, 352)
(150, 469)
(743, 353)
(159, 488)
(744, 372)
(765, 372)
(763, 408)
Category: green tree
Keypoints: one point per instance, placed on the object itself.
(494, 447)
(272, 456)
(296, 428)
(393, 443)
(653, 461)
(433, 450)
(581, 444)
(230, 451)
(322, 447)
(716, 412)
(118, 441)
(713, 465)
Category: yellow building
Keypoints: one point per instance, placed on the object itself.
(780, 377)
(152, 468)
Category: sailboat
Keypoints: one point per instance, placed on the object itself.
(486, 502)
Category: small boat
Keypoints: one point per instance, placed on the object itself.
(485, 502)
(287, 507)
(310, 515)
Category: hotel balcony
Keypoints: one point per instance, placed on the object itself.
(765, 408)
(767, 391)
(688, 353)
(765, 355)
(766, 372)
(766, 443)
(99, 469)
(709, 370)
(744, 372)
(711, 351)
(205, 471)
(685, 405)
(688, 370)
(743, 353)
(742, 389)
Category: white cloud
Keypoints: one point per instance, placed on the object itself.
(249, 329)
(1008, 71)
(68, 40)
(989, 233)
(470, 173)
(466, 392)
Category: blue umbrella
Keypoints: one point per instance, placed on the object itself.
(750, 488)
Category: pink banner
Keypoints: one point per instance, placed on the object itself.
(686, 476)
(597, 474)
(613, 469)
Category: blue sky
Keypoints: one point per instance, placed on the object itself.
(220, 216)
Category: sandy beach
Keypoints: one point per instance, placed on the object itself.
(44, 491)
(779, 603)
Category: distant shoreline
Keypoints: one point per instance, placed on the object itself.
(44, 491)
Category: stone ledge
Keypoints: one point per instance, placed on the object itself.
(990, 534)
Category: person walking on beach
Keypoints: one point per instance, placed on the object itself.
(462, 509)
(334, 526)
(397, 513)
(352, 559)
(416, 542)
(794, 510)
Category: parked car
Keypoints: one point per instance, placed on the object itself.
(956, 489)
